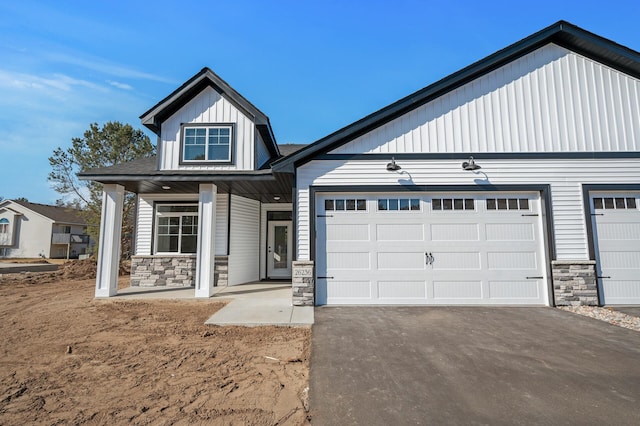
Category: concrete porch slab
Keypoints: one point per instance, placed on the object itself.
(252, 304)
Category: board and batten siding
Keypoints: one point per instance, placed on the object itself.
(565, 177)
(211, 108)
(244, 242)
(144, 221)
(550, 100)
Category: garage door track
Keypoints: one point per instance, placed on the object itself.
(454, 365)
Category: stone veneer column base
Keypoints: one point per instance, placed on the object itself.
(303, 283)
(172, 271)
(574, 282)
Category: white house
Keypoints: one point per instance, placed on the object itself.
(29, 230)
(514, 181)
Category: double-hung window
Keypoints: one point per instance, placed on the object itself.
(4, 226)
(207, 143)
(176, 228)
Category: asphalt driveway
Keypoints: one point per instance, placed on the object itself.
(454, 365)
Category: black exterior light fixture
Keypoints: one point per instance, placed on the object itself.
(470, 165)
(393, 166)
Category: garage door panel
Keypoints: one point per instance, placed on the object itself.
(457, 290)
(401, 260)
(621, 259)
(510, 232)
(402, 289)
(505, 260)
(455, 261)
(455, 232)
(348, 260)
(623, 291)
(348, 289)
(348, 232)
(620, 232)
(400, 232)
(525, 289)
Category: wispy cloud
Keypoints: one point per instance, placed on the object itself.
(55, 82)
(105, 67)
(119, 85)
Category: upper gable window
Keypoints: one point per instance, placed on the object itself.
(207, 143)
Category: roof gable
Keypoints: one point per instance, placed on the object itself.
(54, 213)
(154, 117)
(561, 33)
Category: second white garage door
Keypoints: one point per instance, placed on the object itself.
(416, 248)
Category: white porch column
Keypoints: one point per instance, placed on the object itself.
(109, 244)
(205, 257)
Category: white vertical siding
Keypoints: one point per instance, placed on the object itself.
(144, 220)
(245, 238)
(565, 178)
(262, 151)
(550, 100)
(208, 107)
(281, 207)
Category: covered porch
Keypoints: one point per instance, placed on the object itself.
(235, 215)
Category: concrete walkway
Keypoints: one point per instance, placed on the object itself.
(252, 304)
(261, 304)
(16, 268)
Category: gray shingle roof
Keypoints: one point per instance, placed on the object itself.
(55, 213)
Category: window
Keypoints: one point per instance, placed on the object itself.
(453, 204)
(176, 228)
(349, 204)
(65, 229)
(617, 203)
(207, 143)
(398, 204)
(4, 226)
(507, 204)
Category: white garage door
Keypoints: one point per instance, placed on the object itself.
(616, 220)
(416, 248)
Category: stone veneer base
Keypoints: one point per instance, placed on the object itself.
(575, 282)
(172, 271)
(303, 283)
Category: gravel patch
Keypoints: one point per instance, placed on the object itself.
(605, 314)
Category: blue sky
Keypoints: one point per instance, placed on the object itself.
(312, 67)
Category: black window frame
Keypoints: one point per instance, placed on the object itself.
(232, 143)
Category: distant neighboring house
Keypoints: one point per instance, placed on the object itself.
(39, 230)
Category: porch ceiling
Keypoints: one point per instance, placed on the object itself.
(262, 187)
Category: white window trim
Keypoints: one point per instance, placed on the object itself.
(183, 145)
(171, 214)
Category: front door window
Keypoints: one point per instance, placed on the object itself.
(279, 247)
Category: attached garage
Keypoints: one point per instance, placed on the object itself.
(430, 248)
(616, 230)
(514, 181)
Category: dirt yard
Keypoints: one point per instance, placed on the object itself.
(66, 358)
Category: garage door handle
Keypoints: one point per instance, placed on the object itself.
(429, 258)
(603, 277)
(325, 278)
(535, 278)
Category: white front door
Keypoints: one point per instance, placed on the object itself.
(279, 248)
(616, 220)
(421, 248)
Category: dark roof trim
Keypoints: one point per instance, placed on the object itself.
(154, 117)
(200, 176)
(562, 33)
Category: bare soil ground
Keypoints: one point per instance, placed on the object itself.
(66, 358)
